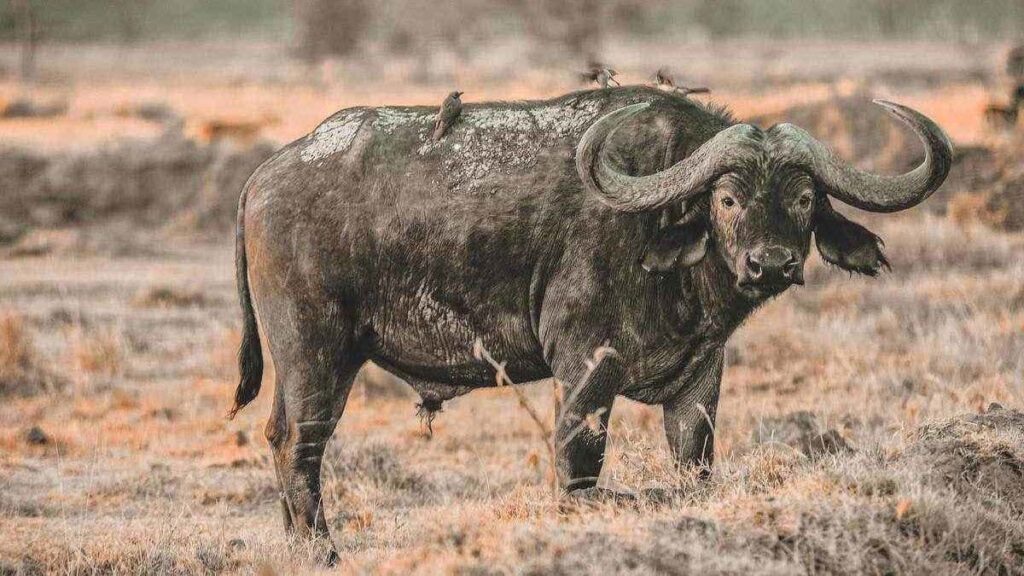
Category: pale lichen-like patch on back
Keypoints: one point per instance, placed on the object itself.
(391, 119)
(493, 118)
(566, 119)
(503, 140)
(487, 145)
(334, 135)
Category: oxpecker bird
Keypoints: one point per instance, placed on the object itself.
(601, 74)
(663, 79)
(448, 114)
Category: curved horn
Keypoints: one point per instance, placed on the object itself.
(870, 191)
(684, 179)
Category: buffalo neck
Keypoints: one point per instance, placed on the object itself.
(723, 308)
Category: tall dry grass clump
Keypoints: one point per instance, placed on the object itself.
(97, 353)
(965, 210)
(165, 297)
(16, 348)
(21, 371)
(222, 359)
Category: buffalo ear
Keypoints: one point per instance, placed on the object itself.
(847, 244)
(683, 244)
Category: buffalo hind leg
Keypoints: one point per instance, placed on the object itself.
(276, 429)
(308, 403)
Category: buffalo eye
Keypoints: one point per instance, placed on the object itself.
(805, 200)
(728, 201)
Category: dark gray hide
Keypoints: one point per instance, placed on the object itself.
(366, 240)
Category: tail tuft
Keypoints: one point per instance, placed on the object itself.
(250, 369)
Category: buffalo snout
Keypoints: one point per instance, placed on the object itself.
(770, 266)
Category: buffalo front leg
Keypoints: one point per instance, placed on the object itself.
(581, 430)
(308, 403)
(690, 417)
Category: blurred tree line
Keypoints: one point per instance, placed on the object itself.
(569, 27)
(131, 20)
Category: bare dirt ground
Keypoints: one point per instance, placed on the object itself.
(856, 432)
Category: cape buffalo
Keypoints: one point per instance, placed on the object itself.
(626, 217)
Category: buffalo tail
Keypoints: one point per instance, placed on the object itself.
(250, 356)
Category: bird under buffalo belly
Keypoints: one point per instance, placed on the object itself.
(629, 221)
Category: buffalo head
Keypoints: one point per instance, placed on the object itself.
(756, 196)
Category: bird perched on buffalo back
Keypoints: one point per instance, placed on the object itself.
(601, 74)
(663, 79)
(448, 114)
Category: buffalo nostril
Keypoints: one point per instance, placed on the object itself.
(793, 270)
(789, 266)
(753, 268)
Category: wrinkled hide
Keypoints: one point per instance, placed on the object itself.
(417, 248)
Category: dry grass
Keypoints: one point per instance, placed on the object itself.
(141, 472)
(168, 297)
(182, 489)
(223, 357)
(21, 372)
(967, 209)
(96, 352)
(17, 351)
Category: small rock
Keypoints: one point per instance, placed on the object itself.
(661, 495)
(789, 429)
(155, 112)
(24, 108)
(704, 528)
(800, 430)
(36, 436)
(828, 442)
(595, 496)
(994, 407)
(165, 413)
(975, 454)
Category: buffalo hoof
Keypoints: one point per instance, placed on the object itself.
(324, 556)
(663, 496)
(595, 496)
(332, 558)
(320, 550)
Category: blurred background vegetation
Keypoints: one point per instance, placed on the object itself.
(317, 27)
